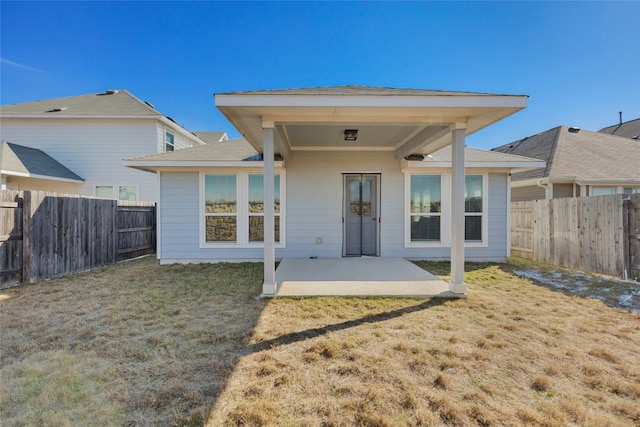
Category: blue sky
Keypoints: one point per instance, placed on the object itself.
(578, 61)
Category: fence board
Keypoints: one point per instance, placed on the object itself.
(44, 235)
(588, 233)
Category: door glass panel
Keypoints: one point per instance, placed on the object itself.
(354, 198)
(366, 197)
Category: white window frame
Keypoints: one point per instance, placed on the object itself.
(242, 211)
(166, 142)
(445, 215)
(115, 190)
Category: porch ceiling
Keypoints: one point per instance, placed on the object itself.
(407, 123)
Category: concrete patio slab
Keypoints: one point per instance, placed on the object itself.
(357, 277)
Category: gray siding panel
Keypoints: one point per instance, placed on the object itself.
(314, 209)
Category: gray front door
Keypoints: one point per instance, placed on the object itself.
(361, 214)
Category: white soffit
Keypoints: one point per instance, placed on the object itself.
(307, 122)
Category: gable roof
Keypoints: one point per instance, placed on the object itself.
(630, 129)
(110, 103)
(210, 137)
(357, 90)
(572, 153)
(18, 160)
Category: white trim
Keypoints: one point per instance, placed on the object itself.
(373, 100)
(515, 166)
(166, 261)
(159, 217)
(189, 164)
(508, 213)
(445, 214)
(242, 211)
(335, 148)
(37, 176)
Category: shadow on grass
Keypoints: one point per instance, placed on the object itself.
(316, 332)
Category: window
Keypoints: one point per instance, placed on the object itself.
(234, 208)
(256, 208)
(168, 141)
(473, 206)
(105, 191)
(221, 208)
(602, 191)
(128, 192)
(428, 211)
(631, 190)
(425, 207)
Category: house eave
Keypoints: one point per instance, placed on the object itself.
(151, 166)
(38, 176)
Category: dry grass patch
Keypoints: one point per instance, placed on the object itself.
(141, 344)
(512, 353)
(131, 344)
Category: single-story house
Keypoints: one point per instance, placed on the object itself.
(352, 172)
(26, 162)
(579, 163)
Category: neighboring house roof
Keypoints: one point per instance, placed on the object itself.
(109, 103)
(18, 160)
(356, 90)
(210, 137)
(106, 105)
(630, 129)
(571, 153)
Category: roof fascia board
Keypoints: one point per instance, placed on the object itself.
(512, 101)
(417, 164)
(37, 176)
(199, 164)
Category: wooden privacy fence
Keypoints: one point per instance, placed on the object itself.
(600, 234)
(44, 235)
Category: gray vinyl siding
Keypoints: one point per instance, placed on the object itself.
(314, 209)
(93, 149)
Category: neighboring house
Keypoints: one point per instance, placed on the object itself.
(17, 161)
(211, 136)
(579, 163)
(353, 171)
(90, 135)
(630, 129)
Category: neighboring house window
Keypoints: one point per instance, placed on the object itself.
(473, 207)
(425, 207)
(128, 192)
(256, 208)
(168, 141)
(602, 191)
(125, 192)
(221, 208)
(105, 191)
(632, 190)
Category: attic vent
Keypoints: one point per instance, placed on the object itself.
(574, 129)
(172, 120)
(149, 104)
(57, 109)
(636, 137)
(111, 91)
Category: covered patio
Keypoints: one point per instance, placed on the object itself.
(404, 122)
(360, 277)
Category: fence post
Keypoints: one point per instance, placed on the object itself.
(626, 229)
(26, 237)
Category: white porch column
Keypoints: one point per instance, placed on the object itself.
(3, 182)
(269, 285)
(457, 285)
